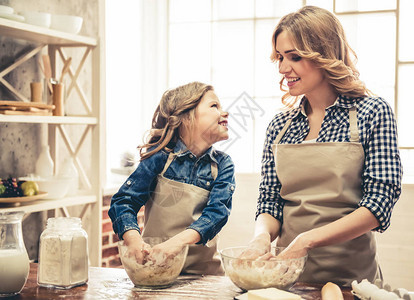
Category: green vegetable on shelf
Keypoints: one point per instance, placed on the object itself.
(30, 188)
(2, 189)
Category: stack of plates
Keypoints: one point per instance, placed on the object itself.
(7, 12)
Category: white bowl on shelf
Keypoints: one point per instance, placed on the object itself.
(67, 23)
(37, 18)
(56, 187)
(6, 9)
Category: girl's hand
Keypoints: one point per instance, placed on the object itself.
(165, 251)
(136, 247)
(258, 247)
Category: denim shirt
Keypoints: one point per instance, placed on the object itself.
(186, 168)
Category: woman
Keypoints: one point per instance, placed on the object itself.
(331, 170)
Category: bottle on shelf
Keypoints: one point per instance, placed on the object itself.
(44, 164)
(68, 170)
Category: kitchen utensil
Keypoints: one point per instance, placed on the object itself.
(26, 113)
(156, 272)
(14, 260)
(56, 187)
(47, 70)
(20, 104)
(63, 254)
(37, 18)
(12, 17)
(58, 99)
(66, 23)
(36, 91)
(6, 9)
(68, 169)
(17, 200)
(250, 274)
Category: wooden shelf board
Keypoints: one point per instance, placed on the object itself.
(41, 205)
(47, 119)
(24, 31)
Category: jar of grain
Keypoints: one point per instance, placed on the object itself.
(63, 254)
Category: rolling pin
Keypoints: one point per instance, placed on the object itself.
(331, 291)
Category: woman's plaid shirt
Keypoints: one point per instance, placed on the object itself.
(382, 171)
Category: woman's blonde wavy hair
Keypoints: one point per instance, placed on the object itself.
(318, 36)
(176, 105)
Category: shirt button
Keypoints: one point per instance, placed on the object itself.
(128, 182)
(208, 183)
(191, 156)
(232, 188)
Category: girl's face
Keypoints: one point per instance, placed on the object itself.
(210, 120)
(301, 76)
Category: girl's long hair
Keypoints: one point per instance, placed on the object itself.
(318, 36)
(175, 106)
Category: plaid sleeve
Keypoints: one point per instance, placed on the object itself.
(269, 190)
(382, 170)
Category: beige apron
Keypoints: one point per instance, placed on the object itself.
(172, 208)
(322, 182)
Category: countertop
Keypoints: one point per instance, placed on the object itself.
(113, 283)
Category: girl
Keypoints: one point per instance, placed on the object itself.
(331, 170)
(185, 184)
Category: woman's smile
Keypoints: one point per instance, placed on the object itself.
(291, 81)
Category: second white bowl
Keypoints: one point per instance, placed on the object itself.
(66, 23)
(37, 18)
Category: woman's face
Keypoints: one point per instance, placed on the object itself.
(302, 77)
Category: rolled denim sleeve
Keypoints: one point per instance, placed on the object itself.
(134, 193)
(217, 210)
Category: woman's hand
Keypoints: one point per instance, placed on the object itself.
(299, 247)
(136, 246)
(257, 247)
(266, 230)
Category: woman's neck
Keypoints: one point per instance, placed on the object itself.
(318, 103)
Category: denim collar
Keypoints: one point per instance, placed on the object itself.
(181, 150)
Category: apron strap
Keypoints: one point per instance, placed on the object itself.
(353, 125)
(282, 133)
(168, 163)
(214, 169)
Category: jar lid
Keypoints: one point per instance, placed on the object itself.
(64, 222)
(11, 216)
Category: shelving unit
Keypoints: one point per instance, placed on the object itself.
(90, 197)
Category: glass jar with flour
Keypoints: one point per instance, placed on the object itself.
(63, 254)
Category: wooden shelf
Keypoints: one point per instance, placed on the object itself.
(41, 205)
(37, 34)
(59, 136)
(48, 119)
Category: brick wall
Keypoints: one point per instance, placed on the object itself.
(110, 257)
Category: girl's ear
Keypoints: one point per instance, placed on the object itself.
(185, 122)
